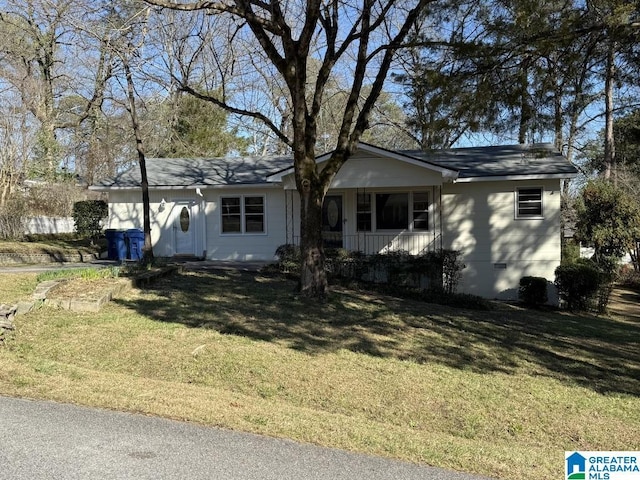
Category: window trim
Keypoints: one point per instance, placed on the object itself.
(517, 201)
(243, 215)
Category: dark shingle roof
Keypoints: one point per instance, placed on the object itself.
(474, 162)
(194, 172)
(500, 161)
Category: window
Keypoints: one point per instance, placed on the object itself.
(364, 212)
(231, 216)
(392, 211)
(242, 214)
(420, 211)
(254, 214)
(184, 219)
(529, 202)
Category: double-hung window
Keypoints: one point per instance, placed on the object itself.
(420, 211)
(254, 214)
(529, 202)
(364, 212)
(244, 214)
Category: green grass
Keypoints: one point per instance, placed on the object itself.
(52, 244)
(16, 287)
(88, 273)
(501, 393)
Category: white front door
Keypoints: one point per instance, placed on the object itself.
(184, 229)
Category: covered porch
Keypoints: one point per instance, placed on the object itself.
(375, 220)
(379, 202)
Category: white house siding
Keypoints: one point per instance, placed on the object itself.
(498, 249)
(244, 246)
(370, 171)
(125, 211)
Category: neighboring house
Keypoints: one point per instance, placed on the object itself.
(499, 205)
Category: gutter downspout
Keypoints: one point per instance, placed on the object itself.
(203, 223)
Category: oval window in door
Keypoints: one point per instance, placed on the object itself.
(184, 219)
(333, 214)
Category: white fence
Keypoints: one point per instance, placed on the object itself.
(40, 225)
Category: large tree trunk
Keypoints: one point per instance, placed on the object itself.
(525, 108)
(313, 276)
(609, 143)
(558, 109)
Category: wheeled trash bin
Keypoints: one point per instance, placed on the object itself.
(116, 244)
(135, 238)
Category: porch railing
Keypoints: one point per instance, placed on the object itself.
(414, 243)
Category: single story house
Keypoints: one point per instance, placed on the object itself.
(499, 205)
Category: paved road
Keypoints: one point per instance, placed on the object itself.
(45, 440)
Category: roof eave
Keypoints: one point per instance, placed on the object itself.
(108, 188)
(502, 178)
(447, 172)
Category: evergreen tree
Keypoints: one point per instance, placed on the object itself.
(194, 128)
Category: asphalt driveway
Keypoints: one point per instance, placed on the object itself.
(42, 440)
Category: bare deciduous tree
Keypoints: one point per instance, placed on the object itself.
(16, 141)
(363, 35)
(53, 73)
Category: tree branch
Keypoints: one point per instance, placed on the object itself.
(222, 7)
(238, 111)
(347, 143)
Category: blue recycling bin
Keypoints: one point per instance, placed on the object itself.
(116, 244)
(135, 238)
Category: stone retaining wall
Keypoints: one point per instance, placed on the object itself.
(7, 312)
(40, 296)
(27, 259)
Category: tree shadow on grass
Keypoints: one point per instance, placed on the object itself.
(596, 352)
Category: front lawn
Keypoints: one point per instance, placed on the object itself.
(52, 245)
(501, 393)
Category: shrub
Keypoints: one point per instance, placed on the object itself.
(343, 263)
(629, 277)
(570, 252)
(608, 219)
(451, 269)
(533, 291)
(579, 284)
(609, 274)
(395, 273)
(12, 219)
(396, 267)
(288, 257)
(440, 269)
(87, 216)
